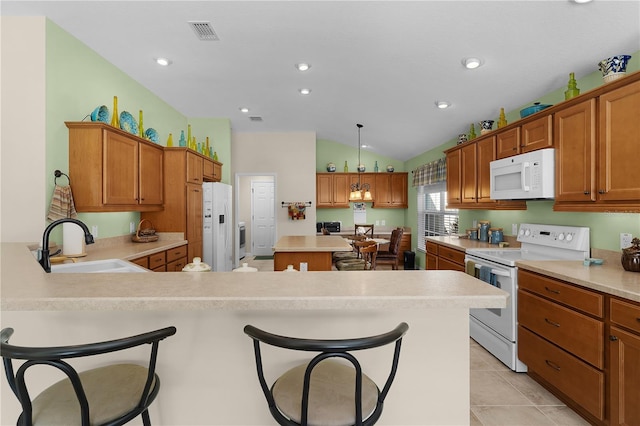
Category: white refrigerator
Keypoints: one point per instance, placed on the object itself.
(217, 235)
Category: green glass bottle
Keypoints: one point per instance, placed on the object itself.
(115, 119)
(346, 167)
(472, 132)
(572, 88)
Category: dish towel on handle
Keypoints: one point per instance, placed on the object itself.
(62, 204)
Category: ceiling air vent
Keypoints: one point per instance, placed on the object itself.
(204, 30)
(255, 118)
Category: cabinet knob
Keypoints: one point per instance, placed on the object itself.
(587, 192)
(548, 321)
(602, 191)
(613, 338)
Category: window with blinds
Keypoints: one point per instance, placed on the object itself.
(433, 218)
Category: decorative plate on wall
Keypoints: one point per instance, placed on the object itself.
(128, 123)
(151, 134)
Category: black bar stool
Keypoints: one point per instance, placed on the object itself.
(326, 391)
(111, 395)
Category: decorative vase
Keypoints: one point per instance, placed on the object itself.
(572, 88)
(215, 156)
(140, 126)
(502, 120)
(486, 126)
(182, 141)
(346, 167)
(614, 67)
(115, 118)
(472, 132)
(189, 135)
(390, 168)
(331, 167)
(375, 167)
(462, 138)
(361, 168)
(170, 140)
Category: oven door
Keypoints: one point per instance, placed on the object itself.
(501, 321)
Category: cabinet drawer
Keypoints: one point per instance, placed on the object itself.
(161, 268)
(625, 314)
(177, 265)
(452, 255)
(176, 253)
(142, 261)
(156, 260)
(432, 248)
(576, 379)
(444, 264)
(575, 297)
(575, 332)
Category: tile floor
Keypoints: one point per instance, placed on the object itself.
(498, 395)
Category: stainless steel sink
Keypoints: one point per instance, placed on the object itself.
(97, 266)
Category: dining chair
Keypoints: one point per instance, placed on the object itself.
(331, 388)
(390, 257)
(356, 263)
(366, 230)
(109, 395)
(369, 254)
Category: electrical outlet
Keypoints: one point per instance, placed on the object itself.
(382, 222)
(377, 223)
(132, 227)
(514, 229)
(94, 231)
(625, 240)
(303, 267)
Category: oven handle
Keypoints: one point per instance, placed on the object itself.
(493, 271)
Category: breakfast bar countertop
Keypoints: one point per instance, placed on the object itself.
(26, 287)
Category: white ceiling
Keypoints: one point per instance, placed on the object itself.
(379, 63)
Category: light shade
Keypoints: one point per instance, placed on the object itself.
(471, 63)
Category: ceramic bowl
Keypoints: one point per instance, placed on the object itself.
(390, 168)
(486, 124)
(151, 134)
(614, 67)
(361, 168)
(536, 107)
(101, 113)
(331, 167)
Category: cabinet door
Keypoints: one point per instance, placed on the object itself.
(468, 173)
(575, 133)
(453, 178)
(508, 143)
(119, 170)
(624, 353)
(619, 144)
(341, 190)
(432, 262)
(217, 172)
(486, 153)
(537, 134)
(399, 190)
(194, 220)
(324, 190)
(207, 169)
(194, 168)
(151, 177)
(383, 197)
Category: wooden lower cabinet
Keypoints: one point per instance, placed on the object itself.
(624, 362)
(441, 257)
(171, 260)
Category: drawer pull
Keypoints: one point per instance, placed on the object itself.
(548, 321)
(613, 338)
(550, 290)
(552, 365)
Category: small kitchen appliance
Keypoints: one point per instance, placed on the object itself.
(496, 329)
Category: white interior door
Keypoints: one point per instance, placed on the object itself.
(263, 223)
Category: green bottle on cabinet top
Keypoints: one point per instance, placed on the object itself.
(115, 120)
(215, 156)
(346, 167)
(375, 167)
(572, 88)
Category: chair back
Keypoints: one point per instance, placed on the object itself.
(325, 349)
(396, 238)
(366, 230)
(55, 357)
(369, 253)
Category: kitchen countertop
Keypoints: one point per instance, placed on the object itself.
(312, 243)
(26, 287)
(608, 278)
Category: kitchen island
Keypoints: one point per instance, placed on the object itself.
(314, 250)
(207, 369)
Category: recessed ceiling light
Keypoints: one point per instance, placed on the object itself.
(443, 104)
(582, 1)
(244, 109)
(303, 66)
(471, 63)
(305, 91)
(163, 61)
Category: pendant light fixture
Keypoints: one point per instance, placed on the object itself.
(360, 191)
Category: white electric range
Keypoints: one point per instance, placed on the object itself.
(496, 329)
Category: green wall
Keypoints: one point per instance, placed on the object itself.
(605, 227)
(333, 152)
(77, 81)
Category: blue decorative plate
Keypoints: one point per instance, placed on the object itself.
(128, 123)
(101, 113)
(151, 134)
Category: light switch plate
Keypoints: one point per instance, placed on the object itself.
(383, 222)
(625, 240)
(303, 266)
(94, 231)
(514, 229)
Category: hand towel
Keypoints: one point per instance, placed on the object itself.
(470, 268)
(62, 204)
(485, 274)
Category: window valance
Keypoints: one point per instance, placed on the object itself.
(430, 173)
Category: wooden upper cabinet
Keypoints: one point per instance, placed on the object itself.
(194, 168)
(151, 175)
(112, 170)
(619, 144)
(389, 190)
(468, 170)
(575, 133)
(485, 154)
(454, 182)
(399, 197)
(341, 190)
(537, 134)
(211, 170)
(508, 143)
(332, 190)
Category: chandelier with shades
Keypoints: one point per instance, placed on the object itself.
(360, 191)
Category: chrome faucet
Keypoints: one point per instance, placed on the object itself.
(45, 260)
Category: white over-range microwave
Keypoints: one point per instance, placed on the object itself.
(524, 177)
